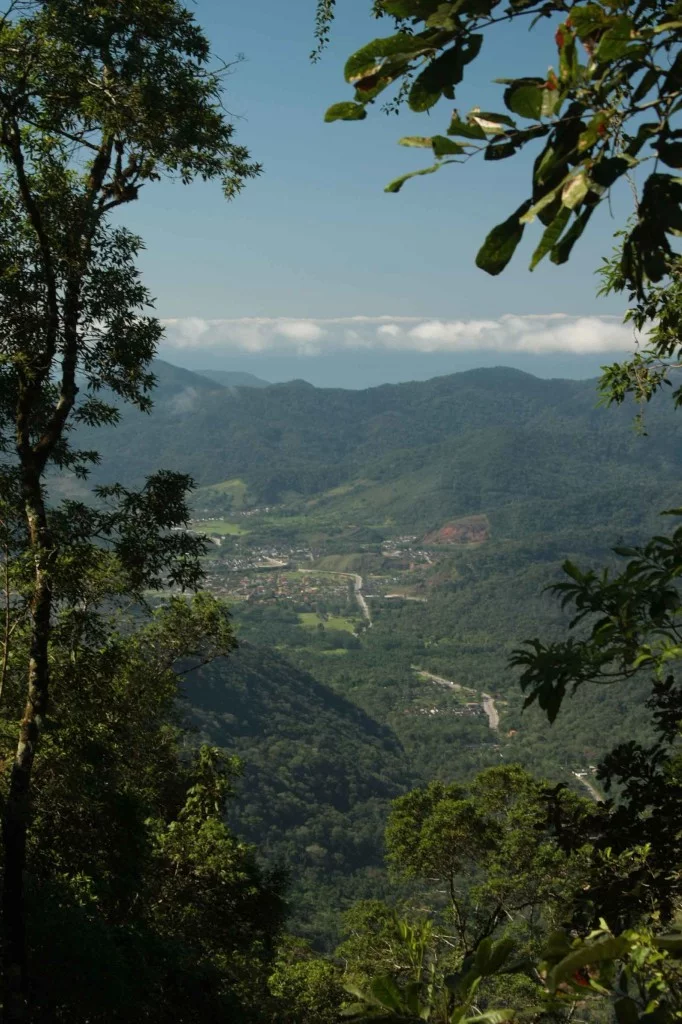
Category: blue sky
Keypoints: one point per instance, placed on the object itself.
(316, 239)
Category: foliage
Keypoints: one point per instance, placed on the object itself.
(159, 909)
(98, 100)
(607, 107)
(492, 849)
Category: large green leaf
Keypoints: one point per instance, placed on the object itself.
(524, 97)
(386, 993)
(491, 1017)
(537, 208)
(562, 249)
(465, 129)
(416, 141)
(575, 190)
(442, 74)
(550, 236)
(499, 954)
(616, 40)
(501, 243)
(587, 20)
(347, 111)
(370, 58)
(442, 146)
(611, 948)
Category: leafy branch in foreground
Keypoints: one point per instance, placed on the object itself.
(608, 106)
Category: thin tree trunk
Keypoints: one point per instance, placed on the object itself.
(17, 809)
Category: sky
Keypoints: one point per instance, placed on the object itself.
(314, 272)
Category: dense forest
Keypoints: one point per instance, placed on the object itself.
(456, 798)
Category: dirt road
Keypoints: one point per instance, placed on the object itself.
(488, 703)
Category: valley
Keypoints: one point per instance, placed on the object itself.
(389, 572)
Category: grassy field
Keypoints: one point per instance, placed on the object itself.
(222, 527)
(236, 489)
(311, 620)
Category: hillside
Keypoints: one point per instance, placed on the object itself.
(319, 774)
(531, 454)
(453, 502)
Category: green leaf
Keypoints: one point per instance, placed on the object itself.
(611, 948)
(500, 150)
(669, 152)
(385, 991)
(501, 243)
(443, 146)
(524, 97)
(420, 141)
(607, 170)
(492, 124)
(551, 98)
(442, 74)
(537, 208)
(562, 250)
(588, 20)
(491, 1017)
(550, 236)
(670, 943)
(347, 111)
(482, 958)
(370, 58)
(499, 954)
(397, 183)
(616, 40)
(465, 129)
(575, 190)
(594, 131)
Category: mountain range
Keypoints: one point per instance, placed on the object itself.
(533, 455)
(499, 476)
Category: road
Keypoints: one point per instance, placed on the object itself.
(592, 790)
(488, 703)
(357, 589)
(491, 711)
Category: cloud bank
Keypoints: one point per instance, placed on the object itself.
(541, 334)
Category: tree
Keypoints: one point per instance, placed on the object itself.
(97, 101)
(492, 851)
(608, 107)
(160, 911)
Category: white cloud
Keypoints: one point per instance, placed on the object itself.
(530, 333)
(389, 330)
(301, 330)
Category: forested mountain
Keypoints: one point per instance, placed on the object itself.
(234, 378)
(536, 454)
(338, 476)
(319, 774)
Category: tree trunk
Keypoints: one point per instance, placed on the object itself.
(17, 810)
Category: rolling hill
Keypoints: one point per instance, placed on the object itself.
(535, 456)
